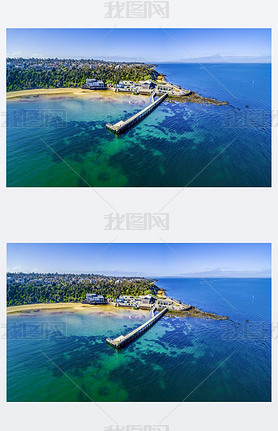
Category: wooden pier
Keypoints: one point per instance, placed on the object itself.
(123, 340)
(123, 126)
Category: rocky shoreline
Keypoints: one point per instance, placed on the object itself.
(196, 313)
(194, 97)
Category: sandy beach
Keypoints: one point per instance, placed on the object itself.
(107, 309)
(72, 92)
(52, 92)
(39, 307)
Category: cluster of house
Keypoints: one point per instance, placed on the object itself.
(36, 278)
(50, 63)
(51, 279)
(47, 64)
(141, 87)
(135, 87)
(146, 302)
(125, 86)
(54, 278)
(122, 301)
(142, 301)
(149, 86)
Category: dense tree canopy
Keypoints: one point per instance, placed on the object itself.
(29, 293)
(57, 77)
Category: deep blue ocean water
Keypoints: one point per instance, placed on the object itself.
(178, 359)
(170, 147)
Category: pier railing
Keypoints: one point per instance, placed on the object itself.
(123, 340)
(122, 126)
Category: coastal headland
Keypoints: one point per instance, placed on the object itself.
(58, 292)
(38, 77)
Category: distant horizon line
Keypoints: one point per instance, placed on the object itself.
(139, 276)
(143, 61)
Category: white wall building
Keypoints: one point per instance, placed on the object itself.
(94, 298)
(94, 84)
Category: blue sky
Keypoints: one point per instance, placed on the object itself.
(157, 260)
(150, 45)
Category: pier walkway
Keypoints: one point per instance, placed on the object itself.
(122, 126)
(123, 340)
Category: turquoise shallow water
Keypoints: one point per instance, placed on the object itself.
(168, 148)
(166, 364)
